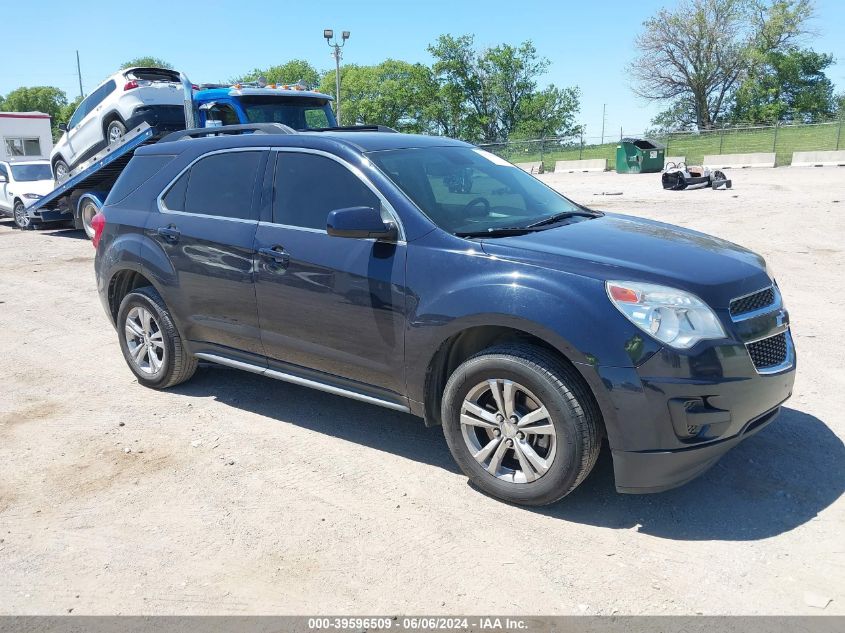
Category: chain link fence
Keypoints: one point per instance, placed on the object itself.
(781, 139)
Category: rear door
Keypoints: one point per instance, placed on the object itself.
(88, 137)
(206, 227)
(331, 304)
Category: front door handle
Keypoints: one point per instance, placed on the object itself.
(277, 254)
(170, 233)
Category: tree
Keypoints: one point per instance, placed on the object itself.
(393, 93)
(785, 86)
(697, 53)
(146, 62)
(45, 99)
(291, 72)
(549, 113)
(488, 95)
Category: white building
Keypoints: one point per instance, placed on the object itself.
(25, 135)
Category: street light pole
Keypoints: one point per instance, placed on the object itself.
(329, 34)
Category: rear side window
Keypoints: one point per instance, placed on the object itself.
(308, 187)
(221, 185)
(139, 170)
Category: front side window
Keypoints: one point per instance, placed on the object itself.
(221, 114)
(465, 189)
(308, 187)
(220, 185)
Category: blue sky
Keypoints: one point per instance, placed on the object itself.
(588, 43)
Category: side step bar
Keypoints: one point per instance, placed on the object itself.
(304, 382)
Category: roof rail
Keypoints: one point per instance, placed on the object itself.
(354, 128)
(255, 128)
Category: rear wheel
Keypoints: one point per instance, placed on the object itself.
(87, 210)
(115, 131)
(521, 424)
(60, 171)
(150, 341)
(21, 217)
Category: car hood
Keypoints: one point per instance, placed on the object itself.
(40, 187)
(629, 248)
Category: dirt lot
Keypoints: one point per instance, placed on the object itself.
(244, 495)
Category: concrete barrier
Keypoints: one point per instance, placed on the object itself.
(589, 164)
(531, 168)
(739, 161)
(675, 159)
(818, 159)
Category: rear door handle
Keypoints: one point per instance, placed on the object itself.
(277, 254)
(170, 233)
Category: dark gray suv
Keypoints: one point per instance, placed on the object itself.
(428, 276)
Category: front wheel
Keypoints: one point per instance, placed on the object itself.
(21, 217)
(521, 424)
(150, 341)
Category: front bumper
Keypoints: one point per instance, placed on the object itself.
(672, 417)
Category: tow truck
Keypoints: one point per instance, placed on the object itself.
(79, 198)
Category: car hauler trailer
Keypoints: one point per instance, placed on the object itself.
(82, 194)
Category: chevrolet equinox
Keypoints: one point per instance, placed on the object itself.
(428, 276)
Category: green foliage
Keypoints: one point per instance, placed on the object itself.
(288, 73)
(45, 99)
(68, 110)
(393, 93)
(489, 95)
(785, 86)
(146, 62)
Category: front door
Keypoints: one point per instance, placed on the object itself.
(207, 231)
(5, 198)
(331, 304)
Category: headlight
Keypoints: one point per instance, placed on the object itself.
(32, 196)
(672, 316)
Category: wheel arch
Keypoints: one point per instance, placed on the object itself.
(111, 115)
(474, 338)
(97, 197)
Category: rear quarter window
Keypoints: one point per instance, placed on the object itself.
(139, 170)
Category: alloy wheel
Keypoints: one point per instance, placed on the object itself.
(115, 134)
(144, 340)
(21, 216)
(508, 431)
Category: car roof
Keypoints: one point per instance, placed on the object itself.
(360, 142)
(231, 91)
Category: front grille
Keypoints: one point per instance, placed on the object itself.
(770, 352)
(752, 302)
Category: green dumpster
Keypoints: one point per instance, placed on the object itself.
(639, 156)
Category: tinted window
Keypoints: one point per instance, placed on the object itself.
(300, 113)
(101, 93)
(139, 171)
(221, 185)
(79, 114)
(308, 187)
(31, 173)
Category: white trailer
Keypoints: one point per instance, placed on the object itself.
(25, 136)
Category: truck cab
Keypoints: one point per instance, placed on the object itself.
(293, 106)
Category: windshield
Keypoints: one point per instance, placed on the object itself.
(300, 113)
(30, 173)
(468, 190)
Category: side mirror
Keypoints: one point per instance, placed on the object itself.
(360, 222)
(3, 178)
(63, 127)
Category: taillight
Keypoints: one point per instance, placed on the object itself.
(98, 223)
(130, 85)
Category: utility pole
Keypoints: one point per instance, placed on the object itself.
(79, 74)
(603, 120)
(329, 34)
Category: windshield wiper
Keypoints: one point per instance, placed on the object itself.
(498, 232)
(557, 217)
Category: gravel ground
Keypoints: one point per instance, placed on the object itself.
(237, 494)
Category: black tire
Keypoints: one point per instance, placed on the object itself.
(571, 408)
(115, 131)
(87, 210)
(21, 219)
(177, 365)
(61, 171)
